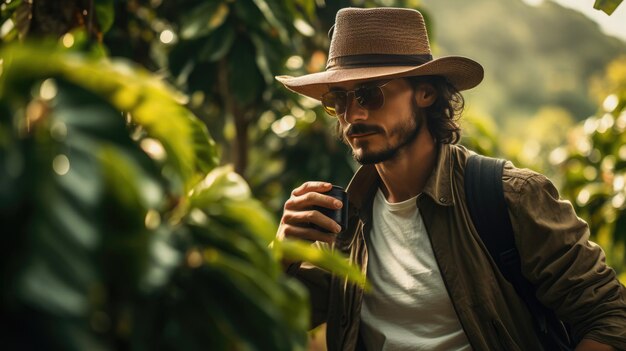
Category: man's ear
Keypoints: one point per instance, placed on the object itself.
(425, 95)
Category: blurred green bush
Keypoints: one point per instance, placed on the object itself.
(120, 229)
(593, 166)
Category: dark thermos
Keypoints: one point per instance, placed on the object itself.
(339, 215)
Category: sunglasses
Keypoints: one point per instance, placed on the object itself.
(370, 97)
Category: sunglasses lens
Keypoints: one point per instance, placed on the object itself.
(370, 98)
(334, 102)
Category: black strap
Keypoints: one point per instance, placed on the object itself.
(489, 212)
(485, 200)
(377, 60)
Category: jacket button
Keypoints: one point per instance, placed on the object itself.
(443, 199)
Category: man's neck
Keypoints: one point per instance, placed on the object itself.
(406, 174)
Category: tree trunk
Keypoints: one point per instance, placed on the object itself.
(239, 146)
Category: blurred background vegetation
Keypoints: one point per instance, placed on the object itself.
(146, 153)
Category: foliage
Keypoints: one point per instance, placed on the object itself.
(122, 231)
(479, 134)
(594, 168)
(528, 141)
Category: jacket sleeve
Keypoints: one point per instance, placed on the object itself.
(317, 283)
(568, 270)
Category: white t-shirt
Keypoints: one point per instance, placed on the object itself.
(409, 307)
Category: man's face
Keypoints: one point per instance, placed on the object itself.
(377, 136)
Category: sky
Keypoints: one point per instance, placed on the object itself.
(614, 25)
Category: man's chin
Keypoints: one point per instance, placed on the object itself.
(368, 158)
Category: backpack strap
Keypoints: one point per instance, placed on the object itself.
(485, 200)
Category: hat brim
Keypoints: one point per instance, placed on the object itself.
(462, 72)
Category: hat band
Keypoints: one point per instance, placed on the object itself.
(377, 60)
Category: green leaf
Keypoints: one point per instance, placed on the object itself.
(332, 261)
(229, 190)
(11, 6)
(608, 6)
(207, 156)
(105, 13)
(249, 14)
(270, 17)
(262, 59)
(22, 17)
(245, 80)
(228, 236)
(124, 204)
(221, 183)
(203, 19)
(218, 44)
(268, 295)
(152, 104)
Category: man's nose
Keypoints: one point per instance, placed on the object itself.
(354, 111)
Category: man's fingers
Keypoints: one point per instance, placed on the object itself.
(307, 187)
(304, 218)
(311, 199)
(299, 214)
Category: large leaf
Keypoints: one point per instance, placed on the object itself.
(297, 250)
(203, 19)
(105, 13)
(151, 103)
(226, 190)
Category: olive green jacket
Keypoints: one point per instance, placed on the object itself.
(567, 269)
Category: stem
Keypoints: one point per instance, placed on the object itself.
(90, 19)
(241, 142)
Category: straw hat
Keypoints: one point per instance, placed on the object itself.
(382, 43)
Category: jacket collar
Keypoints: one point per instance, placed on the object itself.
(364, 184)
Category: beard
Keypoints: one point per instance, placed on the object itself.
(406, 133)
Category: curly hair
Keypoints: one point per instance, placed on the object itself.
(444, 113)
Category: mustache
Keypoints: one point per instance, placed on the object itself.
(362, 129)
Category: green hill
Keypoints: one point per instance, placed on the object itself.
(533, 56)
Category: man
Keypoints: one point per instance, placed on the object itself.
(434, 285)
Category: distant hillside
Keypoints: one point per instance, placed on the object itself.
(532, 55)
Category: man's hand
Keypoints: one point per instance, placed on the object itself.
(298, 213)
